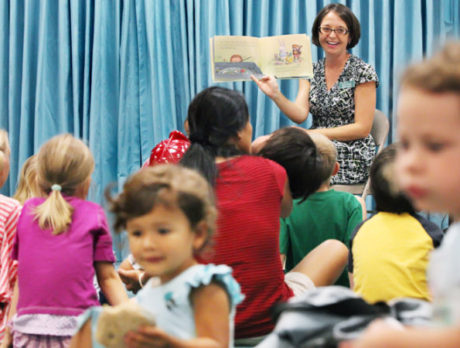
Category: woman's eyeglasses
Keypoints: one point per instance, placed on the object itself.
(328, 30)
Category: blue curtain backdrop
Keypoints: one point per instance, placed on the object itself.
(120, 74)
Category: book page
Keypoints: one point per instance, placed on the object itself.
(234, 58)
(286, 56)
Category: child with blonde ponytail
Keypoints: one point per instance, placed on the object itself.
(62, 241)
(9, 214)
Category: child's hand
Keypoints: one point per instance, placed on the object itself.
(149, 336)
(131, 279)
(259, 143)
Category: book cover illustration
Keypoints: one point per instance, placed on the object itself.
(236, 58)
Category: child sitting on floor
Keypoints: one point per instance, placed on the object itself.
(389, 252)
(325, 214)
(252, 193)
(62, 241)
(169, 214)
(9, 210)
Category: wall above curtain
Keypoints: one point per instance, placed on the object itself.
(120, 74)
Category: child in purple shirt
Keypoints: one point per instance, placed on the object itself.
(61, 242)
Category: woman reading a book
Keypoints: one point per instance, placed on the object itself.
(341, 95)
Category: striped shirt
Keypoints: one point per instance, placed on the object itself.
(10, 210)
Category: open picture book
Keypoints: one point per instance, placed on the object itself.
(236, 58)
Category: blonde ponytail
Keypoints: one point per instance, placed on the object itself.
(54, 213)
(64, 165)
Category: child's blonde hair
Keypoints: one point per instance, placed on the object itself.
(328, 154)
(4, 148)
(28, 182)
(439, 74)
(168, 185)
(64, 164)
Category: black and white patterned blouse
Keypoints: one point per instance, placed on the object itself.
(336, 107)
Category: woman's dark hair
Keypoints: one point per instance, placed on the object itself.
(293, 149)
(388, 197)
(215, 116)
(353, 26)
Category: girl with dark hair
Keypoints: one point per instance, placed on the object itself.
(341, 95)
(252, 193)
(219, 127)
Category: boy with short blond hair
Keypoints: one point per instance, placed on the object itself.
(326, 214)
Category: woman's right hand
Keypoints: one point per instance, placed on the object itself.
(268, 85)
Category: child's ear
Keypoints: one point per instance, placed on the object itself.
(201, 235)
(336, 168)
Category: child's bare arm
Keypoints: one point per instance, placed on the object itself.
(82, 339)
(380, 335)
(211, 307)
(110, 283)
(8, 338)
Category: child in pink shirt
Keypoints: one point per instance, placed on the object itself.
(61, 242)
